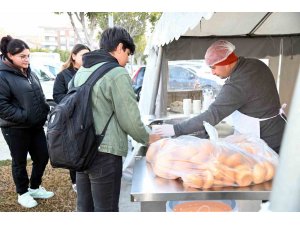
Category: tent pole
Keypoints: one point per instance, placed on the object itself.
(279, 65)
(285, 195)
(156, 81)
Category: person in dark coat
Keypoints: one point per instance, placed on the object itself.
(70, 67)
(62, 80)
(249, 95)
(23, 112)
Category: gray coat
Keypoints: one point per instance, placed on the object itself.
(251, 90)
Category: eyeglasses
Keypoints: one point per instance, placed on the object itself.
(23, 57)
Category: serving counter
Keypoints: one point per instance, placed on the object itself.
(153, 191)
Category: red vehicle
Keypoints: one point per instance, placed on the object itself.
(137, 81)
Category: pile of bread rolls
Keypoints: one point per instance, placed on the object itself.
(237, 160)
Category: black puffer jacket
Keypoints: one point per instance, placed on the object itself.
(60, 87)
(22, 101)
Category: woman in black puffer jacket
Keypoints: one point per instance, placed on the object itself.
(23, 112)
(62, 80)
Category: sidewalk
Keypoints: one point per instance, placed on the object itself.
(4, 151)
(125, 204)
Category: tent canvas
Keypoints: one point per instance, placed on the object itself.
(185, 36)
(275, 36)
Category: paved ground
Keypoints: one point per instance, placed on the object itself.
(125, 203)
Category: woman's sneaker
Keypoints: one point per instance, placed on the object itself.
(40, 193)
(26, 200)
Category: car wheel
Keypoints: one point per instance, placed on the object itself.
(52, 104)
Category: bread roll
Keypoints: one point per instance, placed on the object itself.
(208, 179)
(155, 148)
(225, 174)
(259, 173)
(270, 170)
(193, 180)
(243, 176)
(248, 147)
(163, 172)
(234, 160)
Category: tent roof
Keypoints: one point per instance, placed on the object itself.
(173, 25)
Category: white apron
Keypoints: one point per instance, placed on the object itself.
(244, 124)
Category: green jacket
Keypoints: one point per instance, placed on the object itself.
(114, 93)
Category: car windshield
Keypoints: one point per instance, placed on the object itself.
(42, 73)
(191, 75)
(54, 70)
(184, 75)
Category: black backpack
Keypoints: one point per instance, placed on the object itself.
(71, 135)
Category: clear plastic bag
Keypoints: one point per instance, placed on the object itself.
(237, 160)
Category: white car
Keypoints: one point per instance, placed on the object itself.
(47, 81)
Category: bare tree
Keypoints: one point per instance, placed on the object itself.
(93, 23)
(88, 23)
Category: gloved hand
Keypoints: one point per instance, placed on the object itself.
(165, 130)
(153, 138)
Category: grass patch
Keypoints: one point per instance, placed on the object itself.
(5, 162)
(56, 180)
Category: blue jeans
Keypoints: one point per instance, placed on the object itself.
(98, 188)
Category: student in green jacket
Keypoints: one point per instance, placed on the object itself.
(98, 188)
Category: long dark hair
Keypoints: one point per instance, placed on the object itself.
(12, 46)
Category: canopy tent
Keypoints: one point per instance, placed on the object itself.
(276, 36)
(185, 36)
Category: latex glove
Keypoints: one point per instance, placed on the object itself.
(165, 130)
(154, 138)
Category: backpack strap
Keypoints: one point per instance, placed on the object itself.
(105, 128)
(97, 74)
(94, 77)
(100, 72)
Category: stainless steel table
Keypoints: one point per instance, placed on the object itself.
(153, 191)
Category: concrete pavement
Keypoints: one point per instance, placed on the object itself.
(125, 204)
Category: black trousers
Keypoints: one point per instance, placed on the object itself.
(98, 188)
(22, 141)
(73, 176)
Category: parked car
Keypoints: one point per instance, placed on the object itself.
(54, 69)
(47, 82)
(181, 77)
(49, 60)
(137, 81)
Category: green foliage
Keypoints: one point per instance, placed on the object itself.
(153, 18)
(39, 50)
(64, 54)
(136, 23)
(5, 162)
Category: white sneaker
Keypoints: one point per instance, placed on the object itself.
(74, 187)
(26, 200)
(40, 193)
